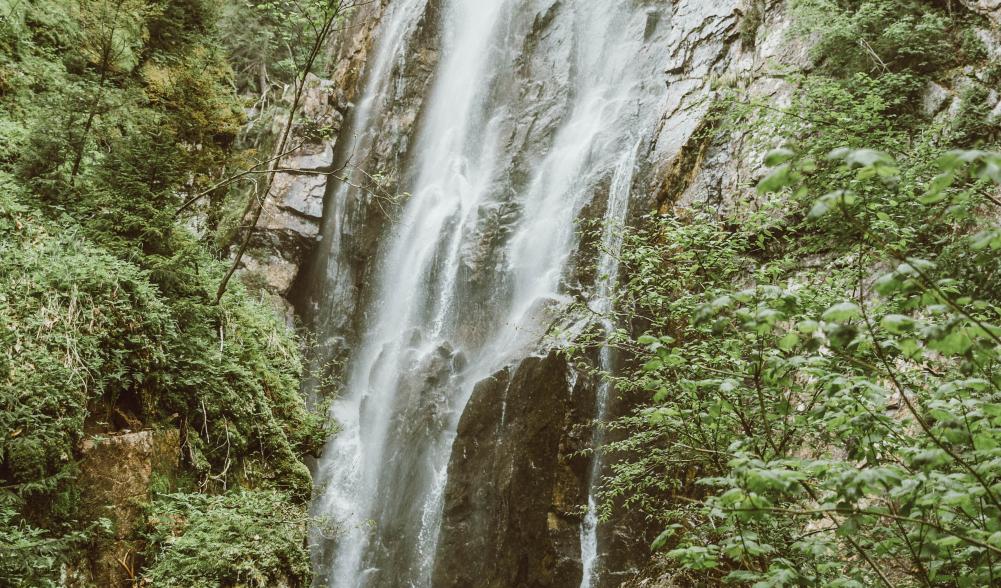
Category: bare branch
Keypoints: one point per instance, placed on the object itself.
(253, 169)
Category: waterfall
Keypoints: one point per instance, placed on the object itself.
(536, 111)
(352, 150)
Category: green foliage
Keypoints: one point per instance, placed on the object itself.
(973, 124)
(249, 538)
(31, 556)
(884, 36)
(268, 39)
(875, 113)
(78, 326)
(750, 22)
(820, 360)
(83, 330)
(91, 322)
(827, 440)
(176, 24)
(234, 372)
(110, 114)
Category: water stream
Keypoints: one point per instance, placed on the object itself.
(608, 275)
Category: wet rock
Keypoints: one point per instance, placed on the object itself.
(508, 512)
(334, 280)
(652, 19)
(423, 394)
(513, 486)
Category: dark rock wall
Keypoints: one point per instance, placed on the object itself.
(511, 510)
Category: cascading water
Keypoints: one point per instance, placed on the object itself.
(537, 109)
(398, 23)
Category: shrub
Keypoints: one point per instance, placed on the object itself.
(110, 113)
(880, 36)
(824, 425)
(248, 538)
(31, 556)
(79, 326)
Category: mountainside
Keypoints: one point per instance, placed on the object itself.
(542, 293)
(130, 401)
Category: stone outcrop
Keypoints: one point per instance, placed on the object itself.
(512, 503)
(722, 172)
(289, 227)
(117, 474)
(292, 219)
(989, 8)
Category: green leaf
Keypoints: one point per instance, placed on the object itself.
(842, 312)
(932, 197)
(778, 156)
(808, 326)
(956, 342)
(789, 341)
(867, 158)
(825, 203)
(839, 154)
(910, 348)
(778, 179)
(819, 209)
(664, 536)
(988, 238)
(898, 323)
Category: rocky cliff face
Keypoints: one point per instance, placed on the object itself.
(382, 109)
(505, 523)
(517, 481)
(515, 484)
(292, 224)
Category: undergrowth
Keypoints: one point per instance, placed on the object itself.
(111, 114)
(818, 357)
